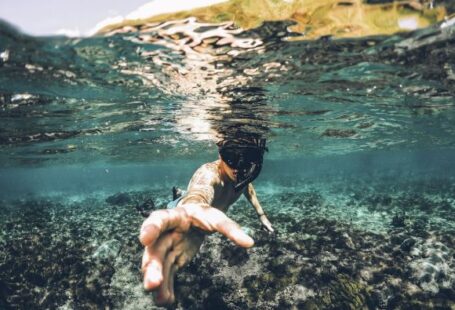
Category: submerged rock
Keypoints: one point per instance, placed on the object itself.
(407, 244)
(339, 133)
(146, 207)
(108, 250)
(399, 220)
(88, 257)
(119, 199)
(345, 294)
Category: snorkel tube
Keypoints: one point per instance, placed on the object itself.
(249, 177)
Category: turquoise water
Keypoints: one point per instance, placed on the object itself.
(361, 136)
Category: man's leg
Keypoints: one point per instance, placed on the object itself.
(176, 193)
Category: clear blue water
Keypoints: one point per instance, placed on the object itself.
(85, 118)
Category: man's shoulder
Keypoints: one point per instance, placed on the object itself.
(207, 173)
(211, 166)
(210, 169)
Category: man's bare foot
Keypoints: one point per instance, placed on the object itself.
(176, 193)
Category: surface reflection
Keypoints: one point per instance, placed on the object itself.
(162, 90)
(311, 18)
(217, 98)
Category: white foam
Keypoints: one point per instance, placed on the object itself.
(157, 7)
(72, 33)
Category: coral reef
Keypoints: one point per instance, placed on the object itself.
(338, 246)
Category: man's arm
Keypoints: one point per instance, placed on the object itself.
(171, 240)
(172, 237)
(251, 196)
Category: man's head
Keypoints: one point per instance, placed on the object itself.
(242, 159)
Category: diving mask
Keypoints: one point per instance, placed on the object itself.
(245, 158)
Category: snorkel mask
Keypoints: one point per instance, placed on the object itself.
(244, 156)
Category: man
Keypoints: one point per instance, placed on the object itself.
(172, 237)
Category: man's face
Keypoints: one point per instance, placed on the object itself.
(230, 172)
(238, 162)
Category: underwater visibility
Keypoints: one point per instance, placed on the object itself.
(355, 100)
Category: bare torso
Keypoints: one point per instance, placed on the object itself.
(211, 186)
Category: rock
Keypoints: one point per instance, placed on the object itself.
(436, 258)
(146, 207)
(348, 243)
(293, 295)
(234, 255)
(339, 133)
(344, 293)
(397, 238)
(399, 220)
(107, 250)
(407, 244)
(316, 261)
(119, 199)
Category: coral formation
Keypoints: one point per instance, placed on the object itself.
(356, 246)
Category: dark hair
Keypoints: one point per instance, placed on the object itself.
(242, 142)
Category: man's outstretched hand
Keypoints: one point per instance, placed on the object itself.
(172, 237)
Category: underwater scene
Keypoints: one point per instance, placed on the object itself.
(356, 102)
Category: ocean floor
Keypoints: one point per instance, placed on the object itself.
(339, 245)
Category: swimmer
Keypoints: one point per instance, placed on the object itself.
(172, 237)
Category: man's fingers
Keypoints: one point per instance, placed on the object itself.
(212, 219)
(232, 231)
(161, 221)
(152, 262)
(153, 276)
(171, 282)
(165, 294)
(152, 267)
(268, 227)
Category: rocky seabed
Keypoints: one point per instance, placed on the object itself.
(357, 246)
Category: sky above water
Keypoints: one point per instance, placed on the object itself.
(64, 17)
(83, 17)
